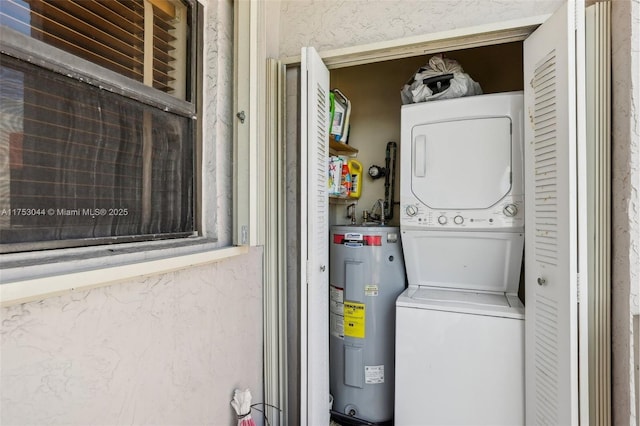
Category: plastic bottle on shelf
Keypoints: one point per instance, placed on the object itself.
(335, 175)
(346, 180)
(355, 169)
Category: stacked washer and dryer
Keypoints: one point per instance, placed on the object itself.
(460, 324)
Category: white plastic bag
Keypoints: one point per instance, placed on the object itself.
(241, 403)
(454, 84)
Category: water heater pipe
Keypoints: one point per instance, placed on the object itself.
(390, 179)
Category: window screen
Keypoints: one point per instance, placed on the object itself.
(82, 165)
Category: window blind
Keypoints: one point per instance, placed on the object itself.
(110, 33)
(82, 165)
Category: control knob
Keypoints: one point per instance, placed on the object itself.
(510, 210)
(458, 220)
(411, 210)
(442, 220)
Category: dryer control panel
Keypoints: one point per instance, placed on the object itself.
(507, 214)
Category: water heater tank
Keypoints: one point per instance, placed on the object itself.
(366, 276)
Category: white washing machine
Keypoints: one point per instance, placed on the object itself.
(460, 323)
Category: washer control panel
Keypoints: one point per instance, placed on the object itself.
(509, 213)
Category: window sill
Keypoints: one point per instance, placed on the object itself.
(38, 275)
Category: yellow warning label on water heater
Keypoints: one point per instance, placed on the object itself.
(354, 319)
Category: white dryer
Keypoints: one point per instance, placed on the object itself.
(460, 324)
(461, 164)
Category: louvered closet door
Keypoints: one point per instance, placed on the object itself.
(551, 229)
(314, 295)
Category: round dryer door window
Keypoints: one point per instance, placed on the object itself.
(462, 164)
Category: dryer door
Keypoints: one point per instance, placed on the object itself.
(462, 164)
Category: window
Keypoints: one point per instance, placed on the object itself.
(98, 122)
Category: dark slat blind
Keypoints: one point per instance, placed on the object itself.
(110, 33)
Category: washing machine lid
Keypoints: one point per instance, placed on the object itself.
(462, 164)
(467, 302)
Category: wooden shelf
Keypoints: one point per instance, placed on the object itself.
(337, 148)
(337, 199)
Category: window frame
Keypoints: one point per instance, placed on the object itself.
(36, 275)
(30, 50)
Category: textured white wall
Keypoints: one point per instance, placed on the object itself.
(217, 123)
(625, 208)
(331, 24)
(293, 240)
(165, 350)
